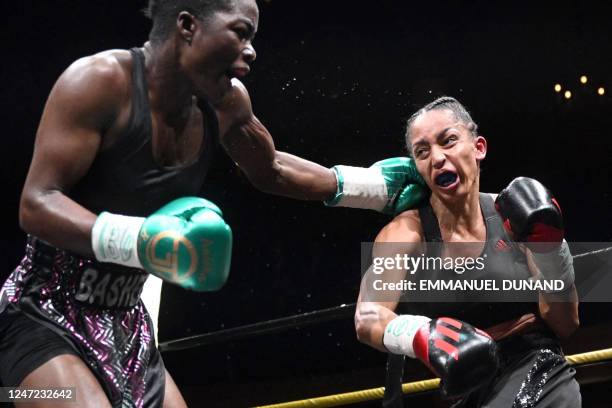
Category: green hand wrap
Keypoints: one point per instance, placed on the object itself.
(390, 186)
(187, 242)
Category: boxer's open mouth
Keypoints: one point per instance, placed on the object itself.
(446, 179)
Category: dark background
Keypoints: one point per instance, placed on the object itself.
(334, 82)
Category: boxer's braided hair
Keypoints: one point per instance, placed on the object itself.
(443, 102)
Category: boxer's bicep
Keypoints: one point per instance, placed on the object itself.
(63, 152)
(251, 146)
(234, 109)
(245, 139)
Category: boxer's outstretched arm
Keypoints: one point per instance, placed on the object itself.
(389, 186)
(251, 146)
(83, 102)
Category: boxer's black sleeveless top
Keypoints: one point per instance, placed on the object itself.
(125, 179)
(96, 307)
(503, 261)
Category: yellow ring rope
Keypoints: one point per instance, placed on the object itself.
(414, 387)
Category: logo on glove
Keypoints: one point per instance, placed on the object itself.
(447, 331)
(163, 254)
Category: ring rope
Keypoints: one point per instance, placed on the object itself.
(261, 328)
(594, 252)
(415, 387)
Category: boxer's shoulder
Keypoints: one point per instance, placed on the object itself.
(94, 89)
(97, 80)
(403, 235)
(235, 100)
(405, 227)
(109, 68)
(235, 107)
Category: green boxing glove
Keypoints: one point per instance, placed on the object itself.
(389, 186)
(186, 242)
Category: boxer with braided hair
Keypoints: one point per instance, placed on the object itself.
(487, 354)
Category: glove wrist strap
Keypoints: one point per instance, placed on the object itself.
(360, 187)
(399, 334)
(114, 239)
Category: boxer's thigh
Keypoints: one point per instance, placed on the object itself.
(172, 396)
(33, 356)
(66, 371)
(25, 345)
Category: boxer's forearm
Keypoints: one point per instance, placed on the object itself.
(371, 318)
(560, 311)
(55, 218)
(251, 146)
(294, 177)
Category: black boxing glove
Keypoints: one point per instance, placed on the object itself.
(531, 214)
(464, 357)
